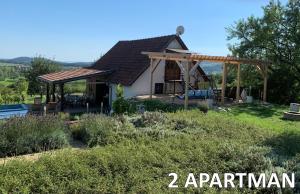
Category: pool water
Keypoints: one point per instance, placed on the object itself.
(7, 111)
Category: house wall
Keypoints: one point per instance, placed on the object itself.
(142, 85)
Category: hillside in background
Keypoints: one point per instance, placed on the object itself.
(27, 61)
(211, 68)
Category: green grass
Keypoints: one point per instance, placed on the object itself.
(7, 82)
(267, 117)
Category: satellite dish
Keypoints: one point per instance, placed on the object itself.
(179, 30)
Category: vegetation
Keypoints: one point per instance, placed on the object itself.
(10, 72)
(23, 135)
(16, 92)
(39, 66)
(274, 36)
(120, 105)
(135, 154)
(75, 87)
(95, 129)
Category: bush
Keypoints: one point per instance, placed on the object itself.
(23, 135)
(149, 119)
(121, 105)
(286, 143)
(156, 105)
(203, 108)
(95, 129)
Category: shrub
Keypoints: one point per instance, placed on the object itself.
(149, 119)
(286, 143)
(22, 135)
(120, 105)
(64, 116)
(156, 105)
(95, 129)
(203, 108)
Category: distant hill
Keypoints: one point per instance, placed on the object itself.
(211, 68)
(18, 60)
(27, 61)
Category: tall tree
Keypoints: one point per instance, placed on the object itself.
(39, 66)
(274, 36)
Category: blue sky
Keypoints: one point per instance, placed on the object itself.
(82, 30)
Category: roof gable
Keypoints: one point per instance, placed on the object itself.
(126, 60)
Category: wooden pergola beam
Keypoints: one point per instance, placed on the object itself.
(187, 58)
(198, 57)
(224, 80)
(238, 83)
(153, 65)
(47, 93)
(187, 81)
(265, 83)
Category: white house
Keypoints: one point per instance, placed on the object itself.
(132, 69)
(125, 64)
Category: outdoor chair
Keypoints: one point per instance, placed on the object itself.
(51, 107)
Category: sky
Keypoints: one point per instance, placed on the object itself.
(83, 30)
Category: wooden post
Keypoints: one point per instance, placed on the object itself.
(47, 93)
(224, 80)
(62, 100)
(151, 77)
(53, 92)
(238, 90)
(187, 80)
(265, 83)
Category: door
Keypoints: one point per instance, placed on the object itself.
(102, 94)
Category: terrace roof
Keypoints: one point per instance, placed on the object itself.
(71, 75)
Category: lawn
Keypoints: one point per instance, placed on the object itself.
(264, 116)
(135, 153)
(7, 82)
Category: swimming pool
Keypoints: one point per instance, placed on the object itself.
(7, 111)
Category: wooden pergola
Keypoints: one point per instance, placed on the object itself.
(188, 60)
(62, 77)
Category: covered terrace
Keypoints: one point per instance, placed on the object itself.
(187, 60)
(62, 77)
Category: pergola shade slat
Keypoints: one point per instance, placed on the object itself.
(71, 75)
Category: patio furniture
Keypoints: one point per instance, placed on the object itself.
(37, 100)
(294, 113)
(198, 94)
(51, 107)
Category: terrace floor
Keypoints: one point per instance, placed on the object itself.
(169, 98)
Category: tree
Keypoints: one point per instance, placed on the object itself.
(21, 88)
(120, 105)
(7, 95)
(276, 37)
(1, 99)
(39, 66)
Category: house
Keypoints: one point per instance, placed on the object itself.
(125, 64)
(132, 69)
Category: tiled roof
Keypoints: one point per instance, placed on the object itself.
(126, 60)
(70, 75)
